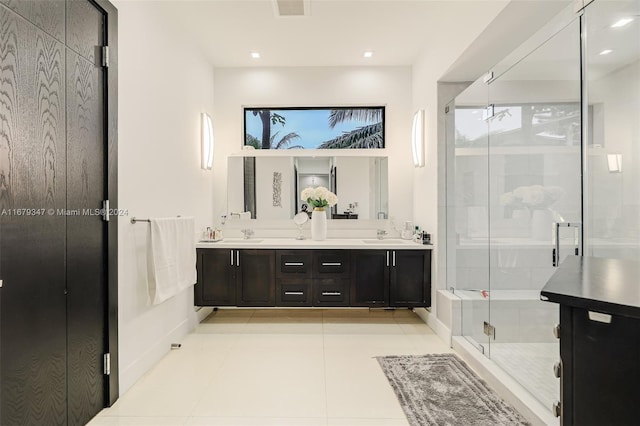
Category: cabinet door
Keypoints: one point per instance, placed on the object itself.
(409, 285)
(256, 277)
(293, 292)
(370, 278)
(216, 284)
(331, 292)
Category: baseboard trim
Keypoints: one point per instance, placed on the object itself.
(435, 324)
(507, 387)
(133, 372)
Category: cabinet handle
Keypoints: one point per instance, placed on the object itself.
(557, 369)
(294, 293)
(237, 257)
(394, 258)
(331, 264)
(293, 263)
(331, 293)
(231, 257)
(387, 257)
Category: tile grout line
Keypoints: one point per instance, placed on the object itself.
(217, 370)
(324, 366)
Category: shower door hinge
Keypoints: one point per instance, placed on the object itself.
(105, 56)
(446, 109)
(488, 112)
(106, 361)
(489, 330)
(488, 77)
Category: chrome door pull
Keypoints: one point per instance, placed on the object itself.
(331, 293)
(394, 258)
(237, 257)
(387, 257)
(577, 239)
(294, 293)
(231, 257)
(331, 264)
(293, 263)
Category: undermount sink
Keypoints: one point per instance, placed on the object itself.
(384, 241)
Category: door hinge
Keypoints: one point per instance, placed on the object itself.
(488, 112)
(488, 77)
(489, 330)
(105, 210)
(107, 364)
(105, 56)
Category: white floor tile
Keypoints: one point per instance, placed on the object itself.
(279, 367)
(256, 421)
(103, 420)
(366, 422)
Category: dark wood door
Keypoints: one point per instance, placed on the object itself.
(410, 278)
(53, 244)
(32, 189)
(216, 284)
(86, 229)
(370, 278)
(256, 277)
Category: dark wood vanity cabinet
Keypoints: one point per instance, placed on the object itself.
(235, 278)
(410, 278)
(394, 278)
(599, 332)
(370, 278)
(256, 278)
(308, 277)
(216, 284)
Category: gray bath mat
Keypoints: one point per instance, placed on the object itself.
(441, 390)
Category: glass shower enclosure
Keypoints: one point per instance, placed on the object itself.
(543, 162)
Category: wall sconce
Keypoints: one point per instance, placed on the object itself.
(417, 138)
(207, 142)
(614, 161)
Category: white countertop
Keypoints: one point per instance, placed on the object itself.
(329, 243)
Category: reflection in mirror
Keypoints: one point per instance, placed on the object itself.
(269, 188)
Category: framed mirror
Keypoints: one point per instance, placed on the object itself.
(269, 187)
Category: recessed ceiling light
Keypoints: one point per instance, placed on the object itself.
(255, 55)
(622, 22)
(367, 53)
(606, 51)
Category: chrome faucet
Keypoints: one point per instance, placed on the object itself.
(380, 233)
(248, 233)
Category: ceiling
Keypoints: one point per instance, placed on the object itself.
(335, 33)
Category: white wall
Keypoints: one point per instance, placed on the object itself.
(164, 85)
(236, 88)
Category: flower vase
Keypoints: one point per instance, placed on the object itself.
(318, 224)
(541, 224)
(521, 218)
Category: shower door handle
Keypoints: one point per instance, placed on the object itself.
(577, 240)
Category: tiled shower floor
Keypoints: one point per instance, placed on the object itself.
(531, 364)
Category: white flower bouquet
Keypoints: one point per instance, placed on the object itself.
(533, 197)
(319, 197)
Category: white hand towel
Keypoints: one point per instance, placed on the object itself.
(172, 257)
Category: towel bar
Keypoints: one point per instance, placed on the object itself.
(135, 220)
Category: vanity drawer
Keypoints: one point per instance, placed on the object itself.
(293, 263)
(293, 292)
(331, 263)
(331, 292)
